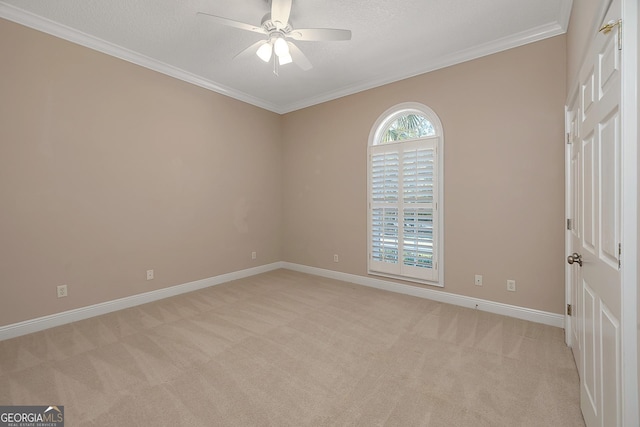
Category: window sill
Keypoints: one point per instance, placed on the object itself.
(406, 279)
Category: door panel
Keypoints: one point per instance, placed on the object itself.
(588, 196)
(589, 385)
(610, 189)
(609, 65)
(610, 333)
(587, 92)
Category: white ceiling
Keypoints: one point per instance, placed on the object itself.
(392, 39)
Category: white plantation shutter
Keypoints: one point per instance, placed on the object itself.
(385, 170)
(403, 214)
(385, 229)
(418, 209)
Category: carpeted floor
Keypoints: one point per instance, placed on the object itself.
(289, 349)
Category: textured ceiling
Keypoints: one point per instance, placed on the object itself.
(392, 39)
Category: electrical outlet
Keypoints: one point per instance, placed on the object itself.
(254, 255)
(336, 258)
(511, 285)
(62, 291)
(478, 281)
(149, 274)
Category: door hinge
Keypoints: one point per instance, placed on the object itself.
(569, 310)
(619, 256)
(606, 29)
(568, 139)
(568, 223)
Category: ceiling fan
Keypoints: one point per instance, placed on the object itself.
(278, 45)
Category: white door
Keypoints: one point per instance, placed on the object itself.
(595, 165)
(574, 225)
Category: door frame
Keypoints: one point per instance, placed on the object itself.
(629, 256)
(629, 209)
(568, 195)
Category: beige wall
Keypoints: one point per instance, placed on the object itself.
(108, 169)
(504, 174)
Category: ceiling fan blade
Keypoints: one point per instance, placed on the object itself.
(299, 58)
(251, 50)
(320, 34)
(232, 23)
(280, 12)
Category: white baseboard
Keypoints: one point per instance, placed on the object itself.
(46, 322)
(551, 319)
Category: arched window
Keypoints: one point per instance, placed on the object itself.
(405, 194)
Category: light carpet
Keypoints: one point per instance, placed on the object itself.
(290, 349)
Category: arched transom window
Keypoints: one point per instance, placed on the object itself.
(404, 194)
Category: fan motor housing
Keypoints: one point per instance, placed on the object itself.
(270, 26)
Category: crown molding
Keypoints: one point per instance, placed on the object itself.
(500, 45)
(56, 29)
(565, 14)
(72, 35)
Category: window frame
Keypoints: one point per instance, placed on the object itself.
(375, 136)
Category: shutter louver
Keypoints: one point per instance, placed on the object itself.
(418, 176)
(384, 231)
(384, 177)
(385, 170)
(417, 184)
(418, 238)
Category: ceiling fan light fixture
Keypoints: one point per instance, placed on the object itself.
(275, 25)
(285, 59)
(264, 52)
(281, 47)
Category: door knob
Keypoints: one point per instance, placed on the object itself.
(575, 257)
